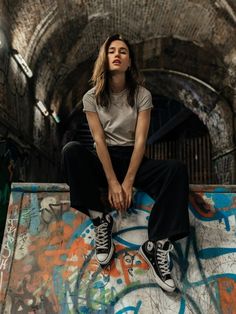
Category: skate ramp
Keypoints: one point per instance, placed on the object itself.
(47, 262)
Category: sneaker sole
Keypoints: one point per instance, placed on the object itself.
(108, 259)
(159, 281)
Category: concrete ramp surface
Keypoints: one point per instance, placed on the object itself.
(47, 262)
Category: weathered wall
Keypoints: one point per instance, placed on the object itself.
(59, 41)
(213, 110)
(33, 135)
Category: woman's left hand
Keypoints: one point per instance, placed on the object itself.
(127, 190)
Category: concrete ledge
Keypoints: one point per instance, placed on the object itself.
(47, 262)
(63, 187)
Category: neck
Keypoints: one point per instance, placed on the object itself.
(117, 82)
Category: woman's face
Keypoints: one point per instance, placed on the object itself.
(118, 56)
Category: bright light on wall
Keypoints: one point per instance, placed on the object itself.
(42, 108)
(19, 59)
(55, 117)
(46, 112)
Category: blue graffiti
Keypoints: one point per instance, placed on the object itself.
(124, 242)
(35, 214)
(134, 309)
(215, 252)
(93, 293)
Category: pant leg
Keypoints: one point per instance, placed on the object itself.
(84, 175)
(167, 182)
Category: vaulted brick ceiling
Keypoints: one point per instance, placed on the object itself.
(59, 39)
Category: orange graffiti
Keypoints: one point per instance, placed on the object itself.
(227, 291)
(125, 267)
(49, 251)
(200, 205)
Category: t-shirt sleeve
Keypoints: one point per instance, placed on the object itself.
(89, 102)
(144, 99)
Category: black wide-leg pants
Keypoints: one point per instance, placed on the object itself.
(166, 181)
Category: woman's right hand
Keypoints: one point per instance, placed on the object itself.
(116, 195)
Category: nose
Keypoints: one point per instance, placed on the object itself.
(117, 53)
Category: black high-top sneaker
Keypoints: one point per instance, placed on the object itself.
(157, 256)
(103, 239)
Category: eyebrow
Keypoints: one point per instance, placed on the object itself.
(120, 48)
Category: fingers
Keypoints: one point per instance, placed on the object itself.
(127, 201)
(127, 198)
(128, 192)
(117, 201)
(120, 196)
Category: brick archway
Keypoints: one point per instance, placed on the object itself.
(211, 109)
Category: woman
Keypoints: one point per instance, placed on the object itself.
(118, 112)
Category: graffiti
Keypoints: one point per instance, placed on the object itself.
(55, 270)
(7, 248)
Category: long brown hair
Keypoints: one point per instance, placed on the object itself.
(101, 74)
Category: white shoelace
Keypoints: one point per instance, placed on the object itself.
(164, 260)
(101, 236)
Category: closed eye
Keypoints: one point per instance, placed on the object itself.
(121, 50)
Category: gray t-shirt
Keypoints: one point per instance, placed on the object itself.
(119, 118)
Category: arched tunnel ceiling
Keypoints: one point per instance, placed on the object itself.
(59, 39)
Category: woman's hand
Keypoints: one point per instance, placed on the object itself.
(127, 188)
(116, 196)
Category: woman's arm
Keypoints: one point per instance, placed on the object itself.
(115, 193)
(141, 132)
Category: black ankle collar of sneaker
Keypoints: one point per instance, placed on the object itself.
(96, 221)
